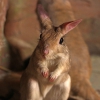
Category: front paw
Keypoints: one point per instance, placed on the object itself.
(45, 72)
(53, 76)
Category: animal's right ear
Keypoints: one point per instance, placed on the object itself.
(46, 22)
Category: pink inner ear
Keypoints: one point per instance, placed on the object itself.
(66, 27)
(67, 24)
(42, 13)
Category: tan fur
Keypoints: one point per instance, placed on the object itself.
(35, 87)
(46, 77)
(80, 59)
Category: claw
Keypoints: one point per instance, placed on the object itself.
(52, 79)
(53, 76)
(45, 74)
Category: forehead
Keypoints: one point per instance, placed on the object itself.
(51, 33)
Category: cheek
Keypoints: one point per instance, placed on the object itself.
(51, 51)
(54, 49)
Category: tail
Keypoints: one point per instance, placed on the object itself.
(86, 91)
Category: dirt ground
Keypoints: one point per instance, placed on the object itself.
(95, 77)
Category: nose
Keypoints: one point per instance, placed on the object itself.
(46, 50)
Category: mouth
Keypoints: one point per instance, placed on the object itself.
(43, 55)
(47, 55)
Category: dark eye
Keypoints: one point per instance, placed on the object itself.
(40, 36)
(61, 41)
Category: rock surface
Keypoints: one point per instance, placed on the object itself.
(4, 50)
(22, 27)
(95, 77)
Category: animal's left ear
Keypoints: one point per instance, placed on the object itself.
(68, 26)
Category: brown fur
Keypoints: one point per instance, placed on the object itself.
(80, 59)
(46, 77)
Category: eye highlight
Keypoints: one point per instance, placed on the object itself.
(61, 41)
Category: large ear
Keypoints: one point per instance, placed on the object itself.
(44, 17)
(68, 26)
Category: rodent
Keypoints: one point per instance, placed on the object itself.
(46, 77)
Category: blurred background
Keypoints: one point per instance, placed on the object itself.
(20, 29)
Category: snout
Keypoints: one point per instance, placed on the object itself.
(46, 50)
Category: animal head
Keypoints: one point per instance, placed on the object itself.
(51, 38)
